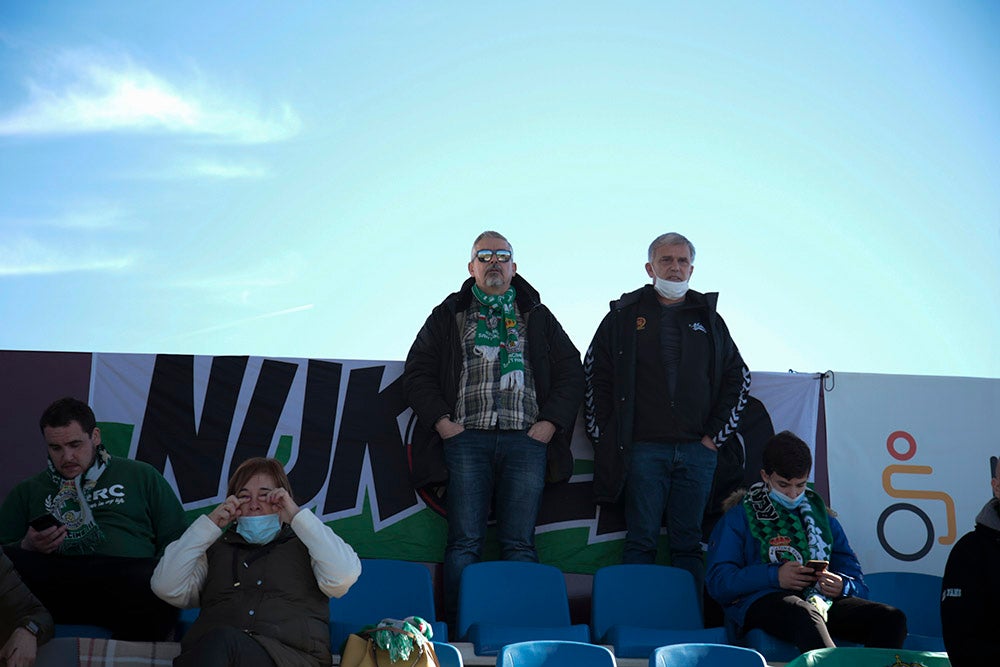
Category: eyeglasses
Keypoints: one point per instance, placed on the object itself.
(485, 255)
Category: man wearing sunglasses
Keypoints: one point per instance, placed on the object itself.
(495, 384)
(666, 386)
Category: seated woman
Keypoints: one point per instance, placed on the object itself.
(264, 583)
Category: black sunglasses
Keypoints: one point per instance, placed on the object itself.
(485, 255)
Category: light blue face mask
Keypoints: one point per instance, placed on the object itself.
(785, 501)
(258, 529)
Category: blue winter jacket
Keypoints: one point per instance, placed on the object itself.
(737, 578)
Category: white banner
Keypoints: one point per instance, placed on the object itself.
(909, 464)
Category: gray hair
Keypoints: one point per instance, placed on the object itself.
(670, 238)
(488, 234)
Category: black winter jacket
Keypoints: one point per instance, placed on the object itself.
(434, 366)
(970, 590)
(712, 385)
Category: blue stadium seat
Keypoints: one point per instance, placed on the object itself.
(553, 653)
(386, 589)
(504, 602)
(705, 655)
(919, 597)
(448, 655)
(185, 621)
(637, 608)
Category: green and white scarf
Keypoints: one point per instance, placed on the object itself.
(798, 535)
(70, 503)
(492, 341)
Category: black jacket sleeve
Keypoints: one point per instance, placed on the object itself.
(422, 373)
(566, 383)
(734, 388)
(599, 372)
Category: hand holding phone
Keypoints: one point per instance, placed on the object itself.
(44, 522)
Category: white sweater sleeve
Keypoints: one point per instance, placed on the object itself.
(334, 562)
(179, 575)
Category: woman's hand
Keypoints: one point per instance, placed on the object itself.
(227, 512)
(283, 504)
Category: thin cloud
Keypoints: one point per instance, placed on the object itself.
(82, 93)
(247, 320)
(208, 169)
(24, 256)
(86, 217)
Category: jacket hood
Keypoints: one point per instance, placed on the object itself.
(989, 516)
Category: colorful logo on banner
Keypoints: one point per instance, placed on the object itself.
(899, 469)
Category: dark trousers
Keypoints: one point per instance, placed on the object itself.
(789, 617)
(108, 591)
(225, 647)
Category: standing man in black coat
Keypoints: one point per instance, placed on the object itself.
(496, 385)
(665, 389)
(969, 612)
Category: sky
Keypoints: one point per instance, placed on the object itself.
(306, 179)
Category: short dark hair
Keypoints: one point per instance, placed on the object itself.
(788, 455)
(258, 465)
(67, 410)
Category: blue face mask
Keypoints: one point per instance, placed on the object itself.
(258, 529)
(785, 501)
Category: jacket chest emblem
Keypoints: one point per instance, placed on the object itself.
(640, 323)
(698, 326)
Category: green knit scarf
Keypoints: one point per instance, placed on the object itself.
(70, 503)
(797, 535)
(494, 310)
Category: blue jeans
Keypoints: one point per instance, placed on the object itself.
(482, 464)
(675, 478)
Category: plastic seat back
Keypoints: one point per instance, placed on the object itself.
(917, 595)
(386, 589)
(705, 655)
(448, 655)
(512, 593)
(550, 653)
(647, 596)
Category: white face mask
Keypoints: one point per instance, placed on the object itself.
(669, 289)
(785, 501)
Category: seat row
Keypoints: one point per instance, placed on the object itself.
(635, 609)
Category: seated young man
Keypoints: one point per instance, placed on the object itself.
(86, 533)
(761, 569)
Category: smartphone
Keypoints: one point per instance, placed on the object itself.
(40, 523)
(818, 566)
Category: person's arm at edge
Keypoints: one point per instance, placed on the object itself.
(26, 607)
(334, 562)
(180, 574)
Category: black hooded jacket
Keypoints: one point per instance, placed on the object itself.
(434, 366)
